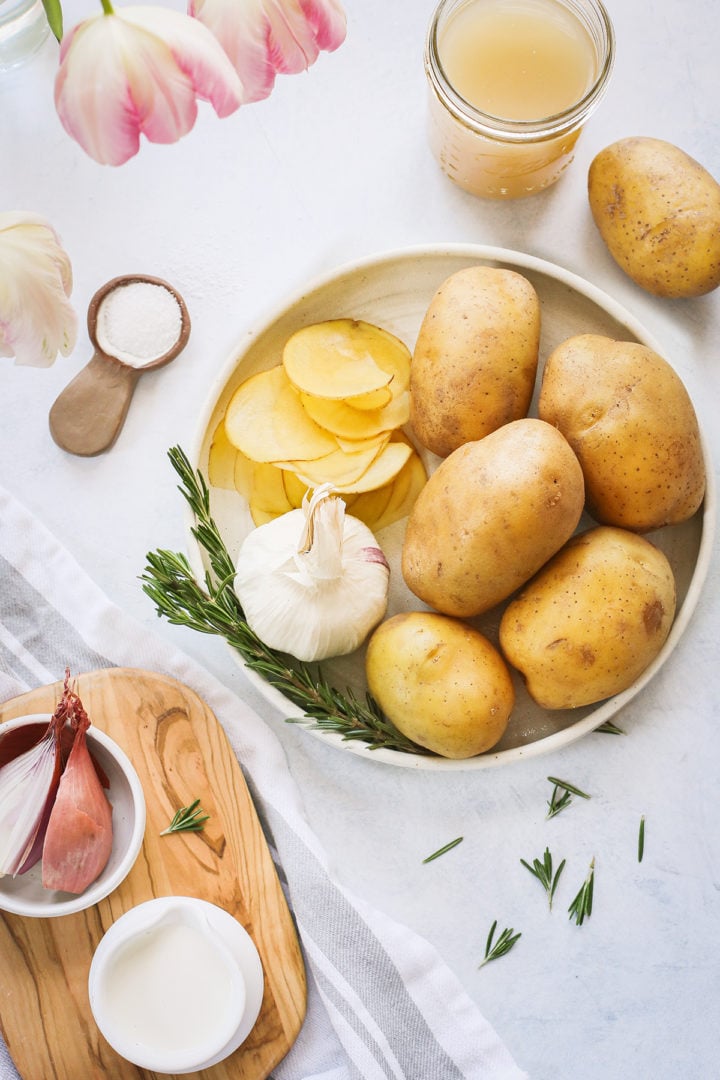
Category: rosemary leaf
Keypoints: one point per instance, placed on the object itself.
(557, 801)
(581, 907)
(442, 850)
(213, 608)
(568, 787)
(561, 797)
(543, 871)
(187, 819)
(503, 945)
(641, 839)
(608, 728)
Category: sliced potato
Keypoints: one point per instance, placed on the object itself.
(294, 488)
(338, 468)
(372, 442)
(266, 420)
(374, 399)
(383, 469)
(405, 489)
(348, 422)
(244, 473)
(344, 358)
(221, 459)
(268, 490)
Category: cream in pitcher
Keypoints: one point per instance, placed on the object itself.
(511, 84)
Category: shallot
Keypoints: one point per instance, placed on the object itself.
(78, 840)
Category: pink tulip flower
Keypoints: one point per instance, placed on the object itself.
(264, 38)
(139, 71)
(36, 318)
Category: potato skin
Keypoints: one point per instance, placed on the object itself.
(658, 211)
(442, 683)
(588, 625)
(475, 359)
(629, 419)
(489, 517)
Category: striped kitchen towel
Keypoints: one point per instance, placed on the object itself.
(381, 1004)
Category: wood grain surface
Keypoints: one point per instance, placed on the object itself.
(180, 753)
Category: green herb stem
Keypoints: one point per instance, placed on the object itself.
(190, 818)
(581, 907)
(543, 871)
(641, 839)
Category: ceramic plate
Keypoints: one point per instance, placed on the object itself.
(394, 291)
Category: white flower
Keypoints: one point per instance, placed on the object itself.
(36, 318)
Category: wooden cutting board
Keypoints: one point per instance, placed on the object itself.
(180, 753)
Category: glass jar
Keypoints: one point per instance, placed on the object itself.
(520, 153)
(23, 30)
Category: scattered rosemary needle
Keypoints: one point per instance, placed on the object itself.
(213, 608)
(581, 906)
(442, 850)
(641, 838)
(503, 945)
(543, 871)
(187, 819)
(562, 795)
(608, 728)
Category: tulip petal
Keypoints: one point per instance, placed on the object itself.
(264, 38)
(36, 319)
(139, 72)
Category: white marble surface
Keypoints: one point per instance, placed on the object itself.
(244, 211)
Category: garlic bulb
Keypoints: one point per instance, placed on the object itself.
(313, 582)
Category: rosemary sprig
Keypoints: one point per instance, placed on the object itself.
(581, 906)
(442, 850)
(214, 609)
(562, 795)
(641, 839)
(503, 945)
(187, 819)
(543, 871)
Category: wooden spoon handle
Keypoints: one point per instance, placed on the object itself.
(88, 415)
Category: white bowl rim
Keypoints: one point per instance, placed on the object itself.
(608, 708)
(95, 891)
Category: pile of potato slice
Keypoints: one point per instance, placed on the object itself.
(331, 412)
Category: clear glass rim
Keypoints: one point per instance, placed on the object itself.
(596, 21)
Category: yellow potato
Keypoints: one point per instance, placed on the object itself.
(658, 211)
(345, 358)
(591, 622)
(266, 420)
(442, 683)
(490, 515)
(629, 419)
(475, 359)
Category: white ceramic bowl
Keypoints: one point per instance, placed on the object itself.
(25, 895)
(393, 290)
(217, 969)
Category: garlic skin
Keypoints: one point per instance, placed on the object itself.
(313, 582)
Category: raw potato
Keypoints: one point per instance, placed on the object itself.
(489, 517)
(442, 683)
(475, 359)
(591, 622)
(658, 211)
(629, 419)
